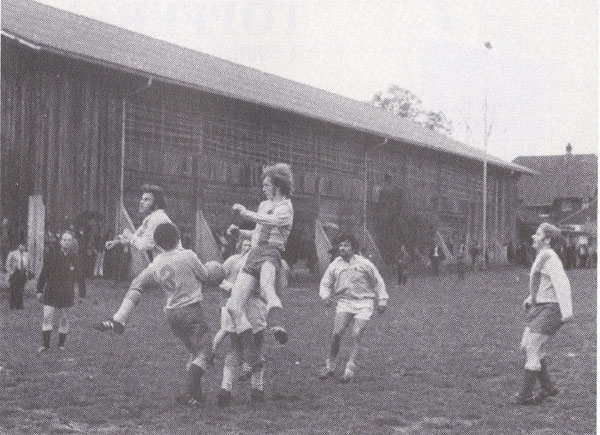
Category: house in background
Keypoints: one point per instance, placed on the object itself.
(565, 190)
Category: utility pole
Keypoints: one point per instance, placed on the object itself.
(488, 46)
(365, 181)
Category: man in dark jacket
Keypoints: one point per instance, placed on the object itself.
(55, 288)
(436, 256)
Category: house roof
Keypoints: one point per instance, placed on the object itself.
(83, 38)
(583, 216)
(561, 176)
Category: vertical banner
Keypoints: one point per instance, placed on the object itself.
(35, 233)
(205, 243)
(323, 245)
(442, 243)
(372, 251)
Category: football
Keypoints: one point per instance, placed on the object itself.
(215, 273)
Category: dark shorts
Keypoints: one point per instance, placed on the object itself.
(260, 255)
(188, 324)
(544, 318)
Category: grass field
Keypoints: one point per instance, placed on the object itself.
(443, 359)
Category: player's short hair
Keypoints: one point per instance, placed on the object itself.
(281, 177)
(158, 194)
(166, 235)
(349, 238)
(550, 231)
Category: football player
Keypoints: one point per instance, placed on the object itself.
(180, 274)
(354, 283)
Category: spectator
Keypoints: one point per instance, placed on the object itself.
(100, 242)
(593, 254)
(571, 254)
(5, 241)
(510, 255)
(582, 253)
(16, 267)
(402, 261)
(474, 251)
(461, 257)
(436, 256)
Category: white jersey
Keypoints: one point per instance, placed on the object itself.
(143, 238)
(554, 284)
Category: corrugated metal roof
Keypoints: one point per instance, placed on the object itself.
(562, 176)
(94, 41)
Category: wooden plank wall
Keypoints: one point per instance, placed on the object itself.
(233, 140)
(60, 135)
(61, 125)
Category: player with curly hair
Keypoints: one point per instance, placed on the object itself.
(354, 283)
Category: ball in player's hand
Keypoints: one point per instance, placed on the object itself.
(238, 207)
(215, 273)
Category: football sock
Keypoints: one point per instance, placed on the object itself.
(61, 339)
(331, 364)
(46, 338)
(257, 380)
(350, 367)
(249, 350)
(335, 345)
(228, 376)
(194, 381)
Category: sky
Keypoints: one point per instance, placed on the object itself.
(540, 76)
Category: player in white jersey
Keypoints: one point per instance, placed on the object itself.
(273, 225)
(256, 312)
(232, 266)
(354, 283)
(180, 274)
(548, 306)
(152, 206)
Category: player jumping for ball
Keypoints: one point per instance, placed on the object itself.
(180, 274)
(256, 312)
(354, 282)
(273, 225)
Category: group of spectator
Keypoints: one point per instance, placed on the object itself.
(89, 245)
(572, 254)
(582, 255)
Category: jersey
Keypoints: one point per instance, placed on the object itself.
(273, 223)
(179, 272)
(143, 238)
(554, 284)
(356, 279)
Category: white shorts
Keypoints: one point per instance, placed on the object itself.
(256, 313)
(362, 309)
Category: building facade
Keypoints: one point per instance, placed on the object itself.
(87, 119)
